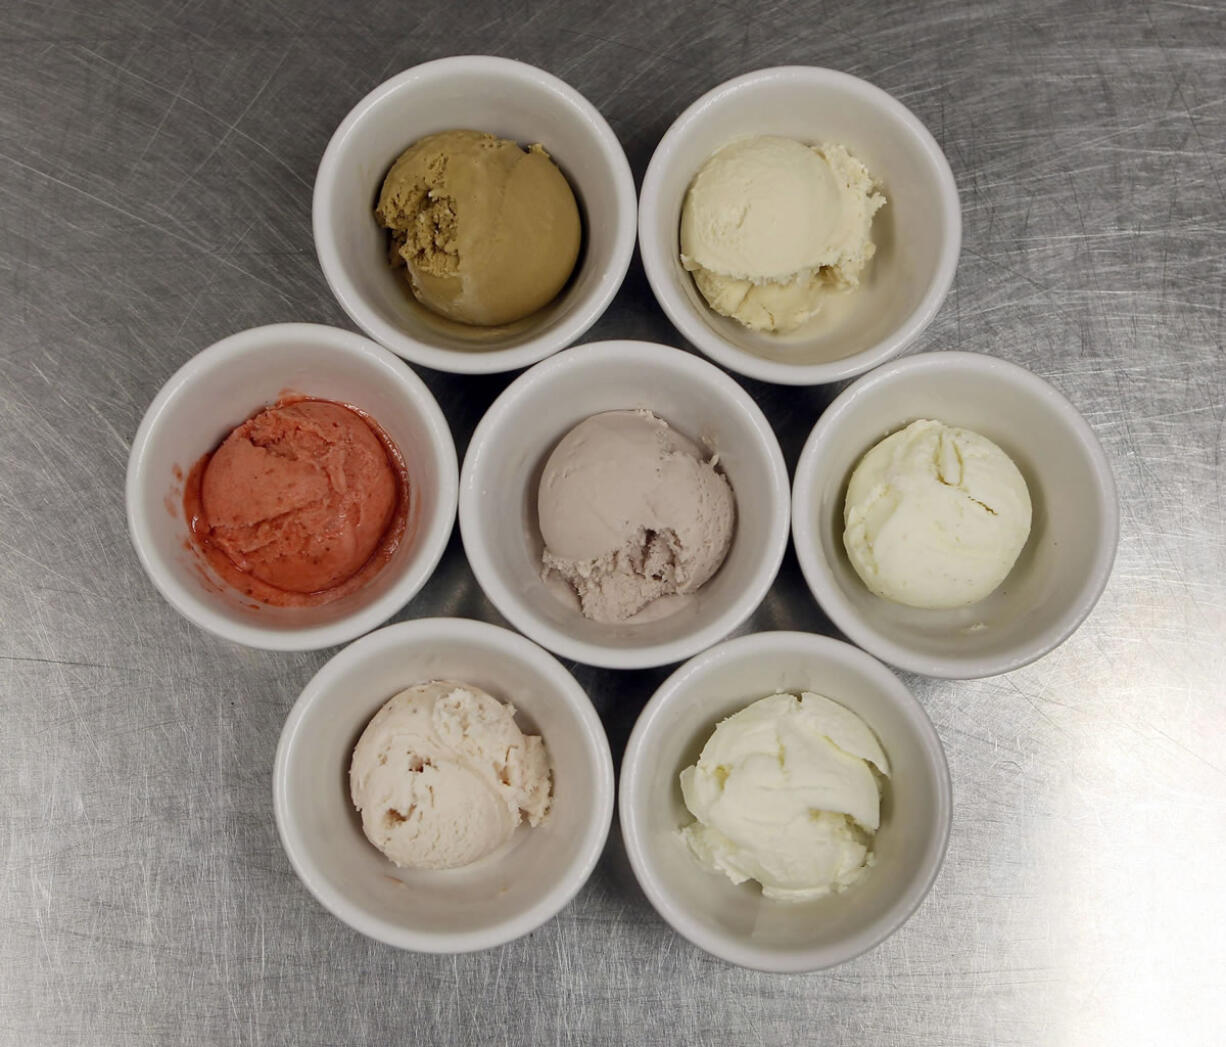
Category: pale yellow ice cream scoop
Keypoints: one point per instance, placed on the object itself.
(488, 232)
(935, 516)
(770, 226)
(442, 775)
(787, 792)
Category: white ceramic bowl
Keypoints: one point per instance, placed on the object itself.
(224, 385)
(499, 897)
(501, 476)
(1074, 532)
(480, 93)
(736, 923)
(918, 233)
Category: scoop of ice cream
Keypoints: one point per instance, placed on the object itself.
(489, 232)
(935, 516)
(770, 226)
(299, 496)
(630, 511)
(442, 775)
(786, 792)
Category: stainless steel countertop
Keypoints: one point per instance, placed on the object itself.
(156, 163)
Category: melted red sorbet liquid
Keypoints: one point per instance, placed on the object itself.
(301, 505)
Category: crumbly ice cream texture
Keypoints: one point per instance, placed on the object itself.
(442, 775)
(935, 516)
(631, 511)
(487, 231)
(786, 792)
(300, 495)
(771, 226)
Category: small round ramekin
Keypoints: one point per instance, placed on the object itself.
(735, 922)
(224, 385)
(480, 93)
(1060, 573)
(918, 233)
(502, 471)
(499, 897)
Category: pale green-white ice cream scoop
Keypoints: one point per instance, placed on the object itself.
(935, 516)
(786, 792)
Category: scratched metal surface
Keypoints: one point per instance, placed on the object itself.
(155, 176)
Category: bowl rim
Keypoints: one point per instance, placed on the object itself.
(488, 361)
(695, 329)
(627, 351)
(820, 578)
(674, 688)
(435, 530)
(572, 696)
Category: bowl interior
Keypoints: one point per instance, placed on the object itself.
(224, 391)
(1071, 529)
(915, 804)
(508, 462)
(499, 98)
(325, 831)
(909, 230)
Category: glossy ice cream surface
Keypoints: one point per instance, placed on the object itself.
(302, 503)
(442, 775)
(488, 232)
(631, 511)
(770, 226)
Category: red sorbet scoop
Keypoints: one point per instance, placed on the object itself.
(300, 496)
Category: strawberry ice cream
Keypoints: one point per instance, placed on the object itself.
(301, 504)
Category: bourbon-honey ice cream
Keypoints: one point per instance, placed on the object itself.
(442, 775)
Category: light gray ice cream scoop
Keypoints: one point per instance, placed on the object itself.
(631, 511)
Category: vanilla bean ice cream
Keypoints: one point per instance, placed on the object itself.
(442, 775)
(631, 511)
(770, 226)
(787, 792)
(935, 516)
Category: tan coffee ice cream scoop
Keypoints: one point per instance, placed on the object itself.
(488, 232)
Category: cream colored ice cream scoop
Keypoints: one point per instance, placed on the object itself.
(935, 516)
(630, 511)
(770, 226)
(488, 232)
(786, 792)
(442, 775)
